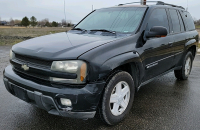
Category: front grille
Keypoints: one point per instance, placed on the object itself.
(33, 61)
(34, 75)
(36, 66)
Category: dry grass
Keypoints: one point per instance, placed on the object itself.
(197, 26)
(31, 32)
(10, 36)
(10, 27)
(198, 31)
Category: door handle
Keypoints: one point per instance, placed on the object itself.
(170, 43)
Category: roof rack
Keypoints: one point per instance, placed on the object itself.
(162, 3)
(136, 2)
(157, 3)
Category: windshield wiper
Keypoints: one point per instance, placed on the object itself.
(104, 30)
(79, 29)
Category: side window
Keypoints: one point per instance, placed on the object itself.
(188, 20)
(175, 21)
(158, 18)
(181, 22)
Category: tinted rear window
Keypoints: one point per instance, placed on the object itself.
(175, 21)
(188, 20)
(181, 22)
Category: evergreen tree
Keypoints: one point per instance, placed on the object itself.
(54, 24)
(33, 21)
(25, 22)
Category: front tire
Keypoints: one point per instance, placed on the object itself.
(184, 72)
(118, 98)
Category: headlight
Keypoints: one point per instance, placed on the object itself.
(75, 66)
(11, 54)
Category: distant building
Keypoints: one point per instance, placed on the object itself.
(59, 24)
(3, 23)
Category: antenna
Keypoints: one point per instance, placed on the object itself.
(187, 6)
(64, 11)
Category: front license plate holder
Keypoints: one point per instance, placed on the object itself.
(20, 93)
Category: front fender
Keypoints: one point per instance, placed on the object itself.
(119, 60)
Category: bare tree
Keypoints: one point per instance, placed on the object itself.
(69, 23)
(12, 22)
(46, 20)
(197, 22)
(64, 22)
(42, 22)
(17, 22)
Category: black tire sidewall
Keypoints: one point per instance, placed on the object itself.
(107, 115)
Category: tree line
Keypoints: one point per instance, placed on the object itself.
(197, 22)
(41, 23)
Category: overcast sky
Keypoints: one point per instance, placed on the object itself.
(75, 9)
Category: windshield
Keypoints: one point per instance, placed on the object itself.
(123, 20)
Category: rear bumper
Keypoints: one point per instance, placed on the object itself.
(84, 100)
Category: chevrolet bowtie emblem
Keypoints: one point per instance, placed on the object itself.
(25, 67)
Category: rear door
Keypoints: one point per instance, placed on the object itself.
(179, 35)
(158, 54)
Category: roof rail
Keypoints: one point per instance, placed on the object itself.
(162, 3)
(137, 2)
(157, 3)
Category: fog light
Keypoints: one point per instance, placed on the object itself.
(65, 102)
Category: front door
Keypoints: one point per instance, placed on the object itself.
(158, 52)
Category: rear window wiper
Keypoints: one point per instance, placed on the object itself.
(79, 29)
(104, 30)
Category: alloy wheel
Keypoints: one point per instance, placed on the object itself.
(119, 98)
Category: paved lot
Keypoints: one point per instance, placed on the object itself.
(164, 103)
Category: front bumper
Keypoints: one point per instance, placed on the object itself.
(84, 99)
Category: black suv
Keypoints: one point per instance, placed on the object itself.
(100, 64)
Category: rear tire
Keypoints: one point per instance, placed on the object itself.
(117, 98)
(184, 72)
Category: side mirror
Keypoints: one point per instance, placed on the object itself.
(156, 31)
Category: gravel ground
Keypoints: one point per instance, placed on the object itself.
(165, 103)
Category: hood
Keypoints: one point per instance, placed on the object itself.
(60, 46)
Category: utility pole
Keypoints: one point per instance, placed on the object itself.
(64, 11)
(92, 7)
(141, 2)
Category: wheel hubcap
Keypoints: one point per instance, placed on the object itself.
(188, 66)
(119, 98)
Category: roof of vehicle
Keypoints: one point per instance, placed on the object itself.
(132, 6)
(157, 4)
